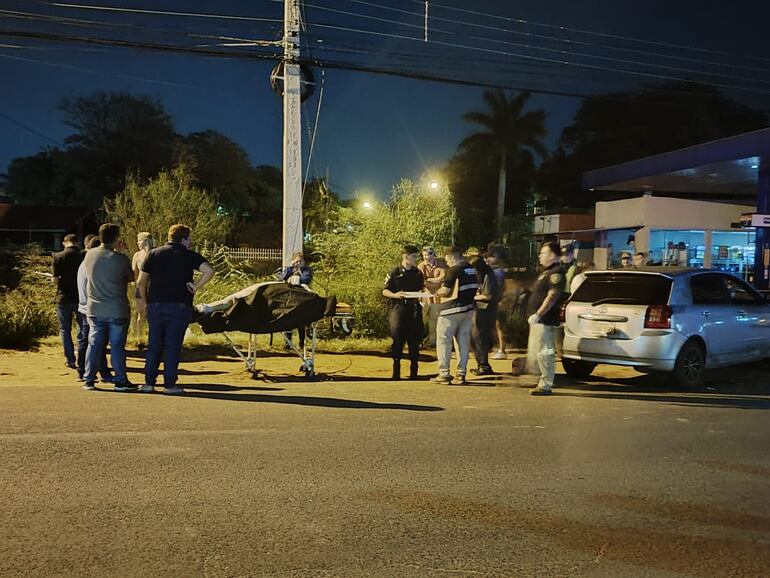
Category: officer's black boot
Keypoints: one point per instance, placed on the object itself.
(413, 374)
(396, 370)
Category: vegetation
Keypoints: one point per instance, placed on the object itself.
(27, 313)
(363, 244)
(164, 200)
(509, 131)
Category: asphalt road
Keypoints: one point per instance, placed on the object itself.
(356, 477)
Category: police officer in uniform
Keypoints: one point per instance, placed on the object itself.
(405, 316)
(543, 311)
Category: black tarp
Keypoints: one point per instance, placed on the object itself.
(270, 308)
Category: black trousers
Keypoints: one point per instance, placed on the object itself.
(481, 335)
(406, 328)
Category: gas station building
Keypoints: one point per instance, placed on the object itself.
(685, 207)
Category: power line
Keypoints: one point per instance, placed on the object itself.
(534, 58)
(562, 39)
(139, 45)
(588, 32)
(79, 22)
(543, 48)
(29, 128)
(253, 55)
(162, 12)
(90, 70)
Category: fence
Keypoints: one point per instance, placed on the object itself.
(246, 253)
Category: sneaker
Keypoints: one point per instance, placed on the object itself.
(540, 391)
(146, 388)
(442, 379)
(461, 380)
(89, 386)
(70, 364)
(107, 379)
(173, 390)
(499, 354)
(482, 371)
(124, 386)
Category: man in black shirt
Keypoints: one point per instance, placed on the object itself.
(65, 271)
(405, 316)
(455, 319)
(168, 270)
(543, 311)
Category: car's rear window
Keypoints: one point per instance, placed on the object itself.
(634, 289)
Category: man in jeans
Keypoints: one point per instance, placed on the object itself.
(168, 271)
(455, 318)
(543, 310)
(65, 271)
(92, 241)
(108, 273)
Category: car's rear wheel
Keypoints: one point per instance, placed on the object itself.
(690, 367)
(577, 368)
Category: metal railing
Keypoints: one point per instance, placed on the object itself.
(247, 253)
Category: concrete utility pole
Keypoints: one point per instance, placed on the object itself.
(292, 134)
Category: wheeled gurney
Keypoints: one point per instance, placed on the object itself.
(266, 308)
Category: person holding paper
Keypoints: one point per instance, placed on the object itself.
(404, 286)
(455, 320)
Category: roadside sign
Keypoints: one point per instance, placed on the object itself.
(758, 220)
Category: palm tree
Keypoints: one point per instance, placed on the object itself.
(507, 133)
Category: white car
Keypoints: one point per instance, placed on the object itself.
(681, 321)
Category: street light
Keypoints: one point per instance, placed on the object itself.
(367, 205)
(434, 185)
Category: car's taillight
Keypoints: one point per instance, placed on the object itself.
(658, 317)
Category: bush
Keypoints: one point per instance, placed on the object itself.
(163, 201)
(364, 244)
(28, 312)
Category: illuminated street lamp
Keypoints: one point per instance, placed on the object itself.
(367, 205)
(434, 185)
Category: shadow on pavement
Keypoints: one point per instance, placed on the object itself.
(648, 388)
(307, 400)
(181, 371)
(225, 387)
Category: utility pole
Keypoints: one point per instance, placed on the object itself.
(292, 134)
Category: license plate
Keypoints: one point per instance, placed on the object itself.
(601, 327)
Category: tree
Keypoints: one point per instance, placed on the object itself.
(221, 167)
(318, 205)
(508, 131)
(167, 199)
(614, 128)
(363, 244)
(116, 134)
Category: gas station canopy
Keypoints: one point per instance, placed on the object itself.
(725, 169)
(732, 169)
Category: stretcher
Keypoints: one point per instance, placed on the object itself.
(268, 308)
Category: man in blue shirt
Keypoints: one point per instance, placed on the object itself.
(168, 271)
(297, 273)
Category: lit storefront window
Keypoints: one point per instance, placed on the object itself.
(733, 251)
(677, 248)
(619, 241)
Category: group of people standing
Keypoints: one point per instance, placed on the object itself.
(92, 287)
(464, 298)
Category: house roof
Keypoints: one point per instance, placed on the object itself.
(33, 218)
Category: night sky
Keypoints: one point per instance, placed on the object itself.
(373, 129)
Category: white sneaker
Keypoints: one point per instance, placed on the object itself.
(147, 389)
(173, 390)
(499, 354)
